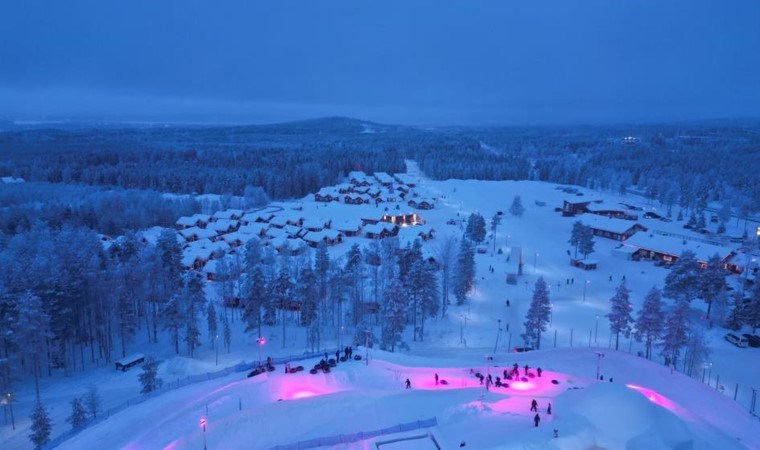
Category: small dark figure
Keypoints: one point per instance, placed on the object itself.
(462, 444)
(539, 372)
(490, 380)
(505, 373)
(337, 355)
(326, 358)
(269, 360)
(601, 377)
(549, 409)
(436, 379)
(526, 369)
(536, 419)
(556, 433)
(498, 382)
(408, 384)
(568, 281)
(610, 277)
(610, 379)
(515, 367)
(572, 280)
(623, 277)
(350, 352)
(534, 405)
(508, 304)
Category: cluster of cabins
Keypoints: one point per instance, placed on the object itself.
(375, 189)
(636, 242)
(208, 238)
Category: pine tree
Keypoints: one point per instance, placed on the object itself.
(41, 426)
(171, 316)
(495, 222)
(255, 297)
(464, 275)
(194, 303)
(701, 222)
(31, 330)
(394, 314)
(476, 228)
(576, 236)
(226, 332)
(650, 322)
(620, 313)
(517, 209)
(149, 377)
(682, 282)
(428, 290)
(321, 268)
(282, 291)
(78, 417)
(677, 327)
(91, 400)
(212, 323)
(712, 281)
(587, 241)
(538, 314)
(307, 295)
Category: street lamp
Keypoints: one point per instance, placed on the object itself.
(261, 341)
(596, 331)
(599, 356)
(366, 346)
(463, 321)
(216, 345)
(535, 259)
(584, 290)
(498, 333)
(551, 313)
(203, 425)
(9, 399)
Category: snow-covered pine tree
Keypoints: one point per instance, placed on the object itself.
(696, 352)
(321, 268)
(620, 313)
(254, 298)
(538, 314)
(576, 235)
(354, 277)
(282, 293)
(676, 331)
(41, 426)
(682, 282)
(171, 316)
(226, 332)
(464, 274)
(78, 416)
(476, 228)
(712, 281)
(586, 244)
(445, 255)
(194, 304)
(149, 377)
(91, 400)
(495, 222)
(212, 324)
(701, 222)
(306, 293)
(31, 331)
(650, 321)
(394, 315)
(517, 209)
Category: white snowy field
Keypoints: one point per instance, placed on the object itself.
(358, 398)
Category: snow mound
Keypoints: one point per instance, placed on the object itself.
(620, 417)
(180, 367)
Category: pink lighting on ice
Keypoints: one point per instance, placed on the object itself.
(654, 397)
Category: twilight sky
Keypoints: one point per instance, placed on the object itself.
(397, 61)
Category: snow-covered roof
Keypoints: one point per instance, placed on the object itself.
(348, 225)
(293, 231)
(222, 225)
(11, 180)
(228, 214)
(404, 178)
(383, 177)
(279, 221)
(253, 228)
(378, 228)
(187, 221)
(607, 223)
(675, 246)
(315, 223)
(200, 233)
(238, 236)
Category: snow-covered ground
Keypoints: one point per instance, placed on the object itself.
(282, 409)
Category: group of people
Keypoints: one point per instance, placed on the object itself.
(537, 418)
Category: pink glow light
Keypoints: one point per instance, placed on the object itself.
(654, 397)
(521, 385)
(296, 387)
(303, 394)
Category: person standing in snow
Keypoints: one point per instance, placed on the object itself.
(534, 405)
(337, 355)
(549, 409)
(526, 369)
(408, 384)
(536, 419)
(539, 372)
(436, 379)
(556, 433)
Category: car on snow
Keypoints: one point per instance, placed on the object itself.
(521, 349)
(740, 342)
(652, 215)
(752, 339)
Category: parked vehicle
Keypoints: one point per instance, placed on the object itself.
(522, 349)
(736, 340)
(752, 340)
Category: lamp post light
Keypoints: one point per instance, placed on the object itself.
(498, 334)
(535, 260)
(9, 399)
(366, 346)
(596, 330)
(551, 313)
(261, 341)
(599, 356)
(584, 290)
(203, 426)
(216, 345)
(462, 322)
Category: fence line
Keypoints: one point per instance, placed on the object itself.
(360, 436)
(171, 386)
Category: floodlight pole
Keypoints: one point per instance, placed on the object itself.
(599, 356)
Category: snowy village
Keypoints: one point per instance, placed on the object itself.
(397, 226)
